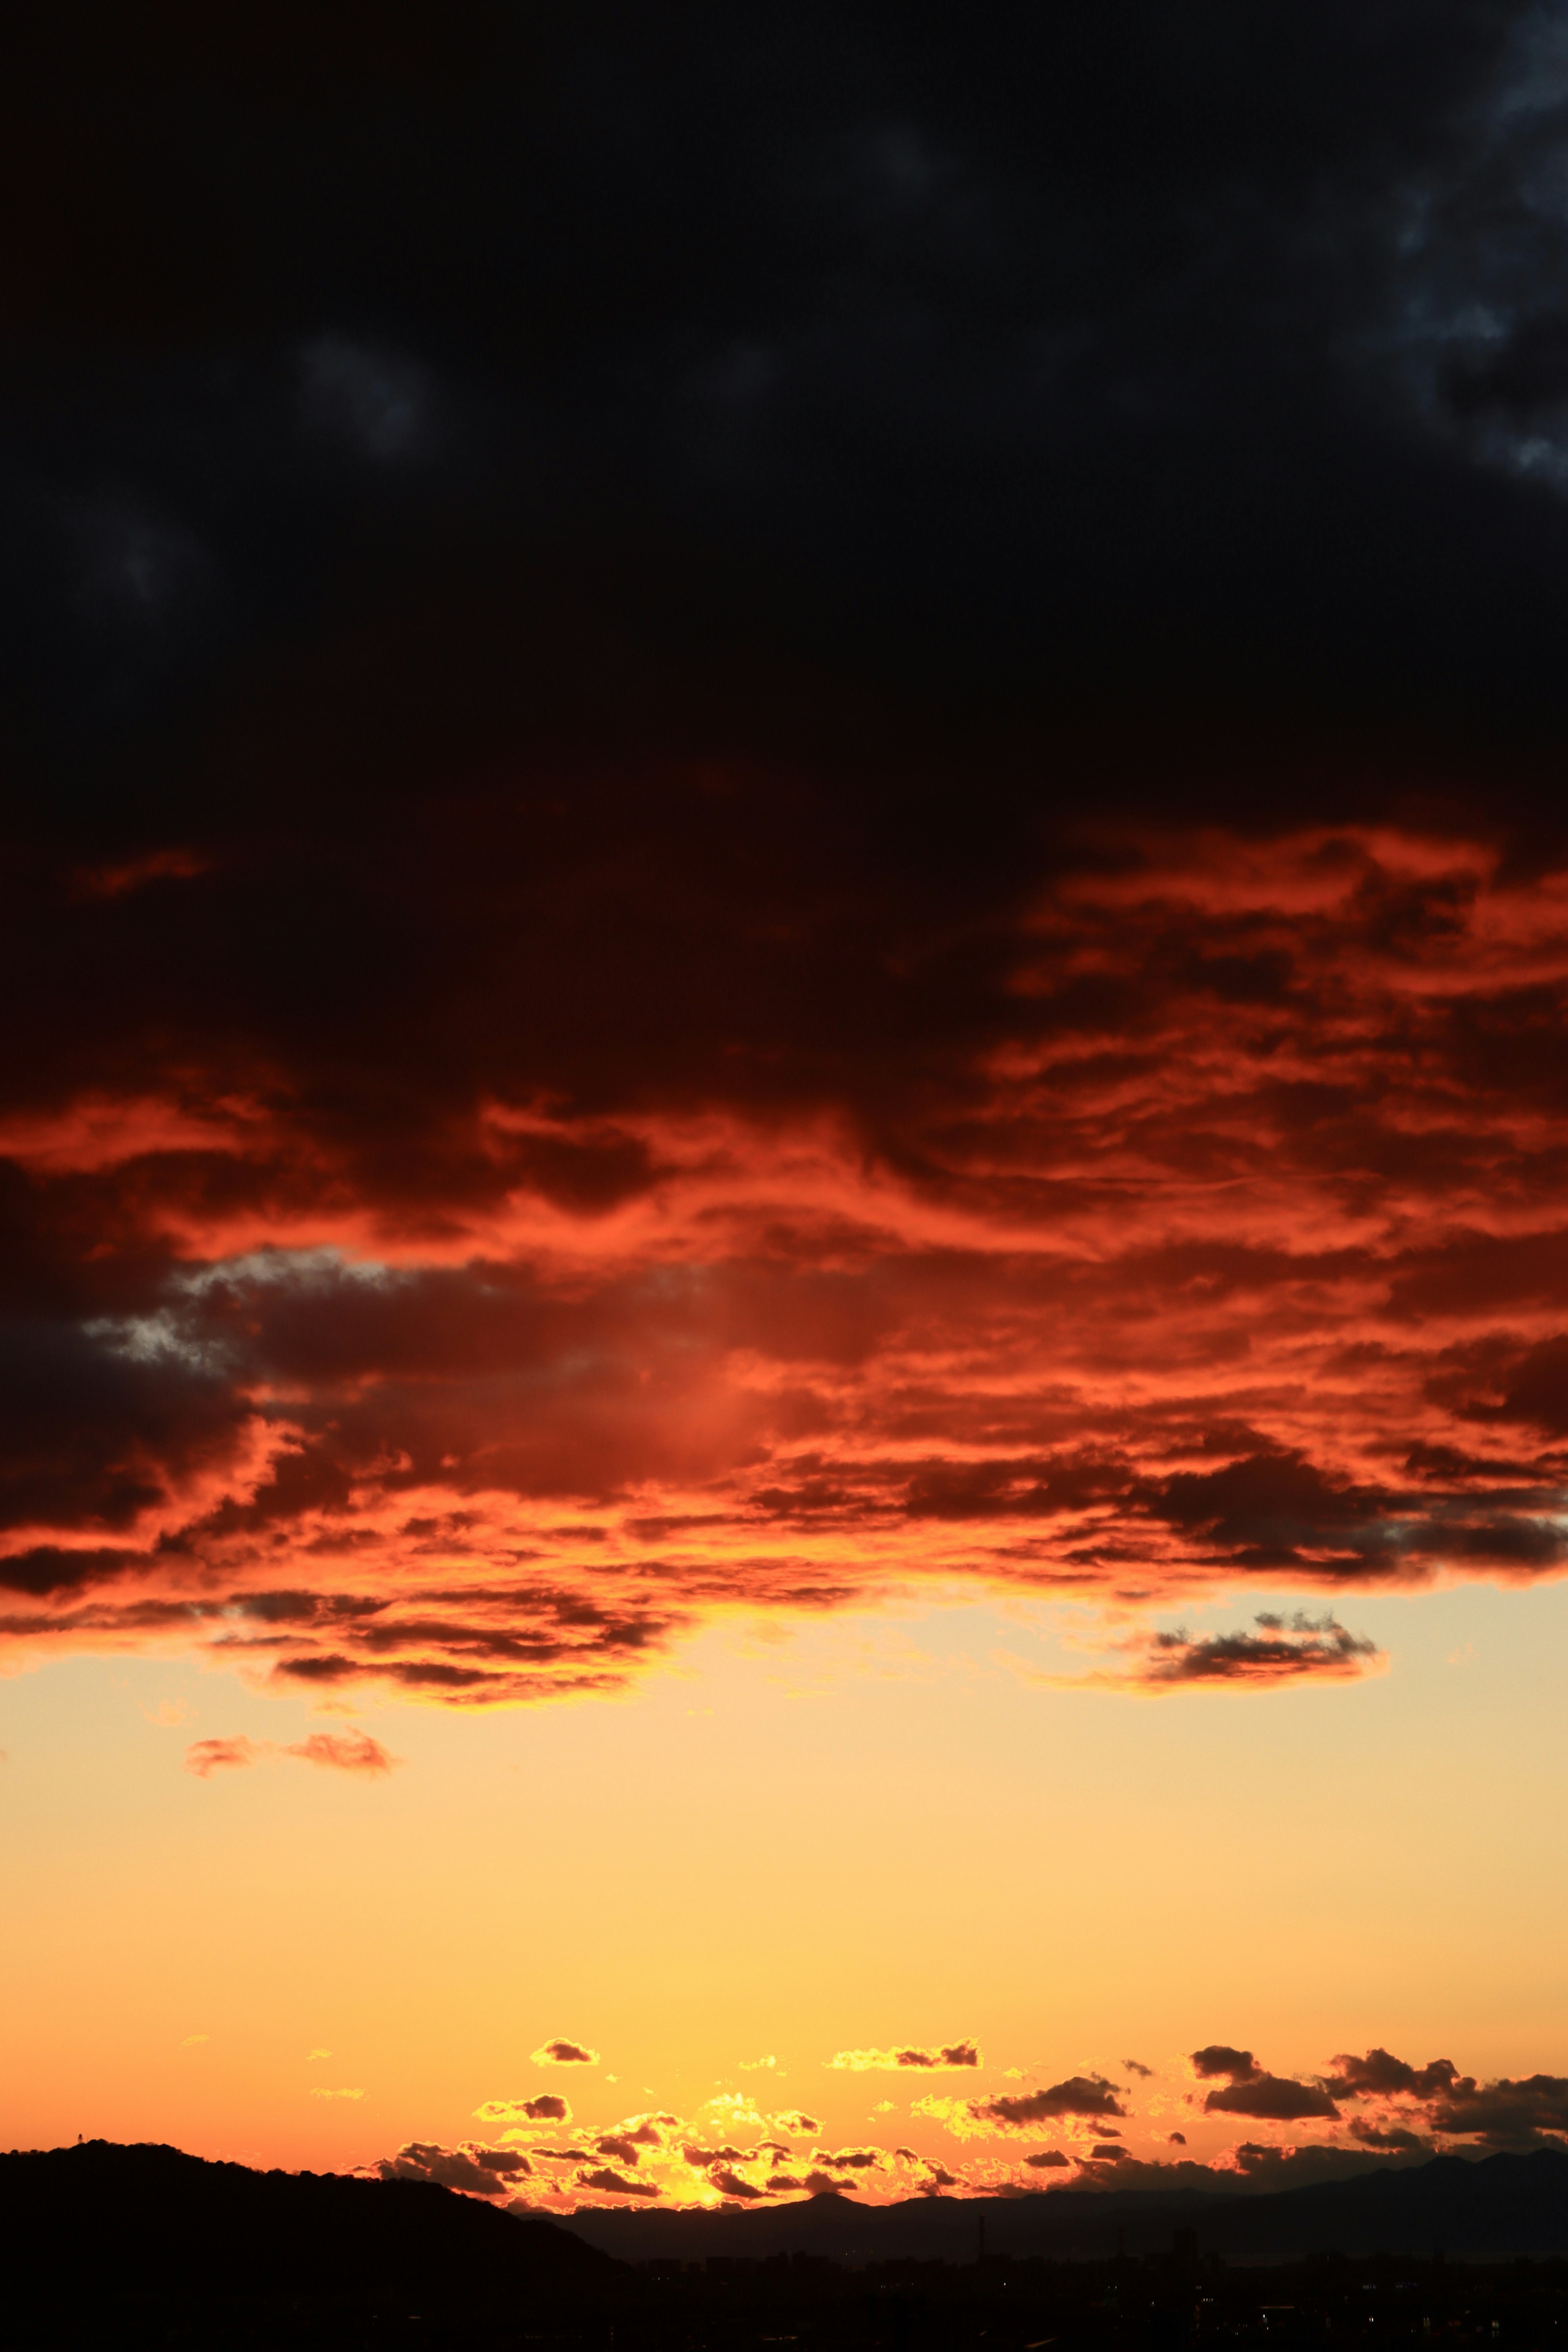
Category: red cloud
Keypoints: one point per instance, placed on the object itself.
(1209, 1229)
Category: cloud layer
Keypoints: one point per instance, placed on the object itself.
(1221, 1240)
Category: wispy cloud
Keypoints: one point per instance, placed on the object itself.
(337, 1751)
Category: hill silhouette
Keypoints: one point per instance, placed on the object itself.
(1501, 2205)
(161, 2246)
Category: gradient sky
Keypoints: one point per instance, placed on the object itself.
(784, 1126)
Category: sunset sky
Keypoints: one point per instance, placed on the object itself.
(784, 1145)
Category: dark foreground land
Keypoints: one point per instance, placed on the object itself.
(132, 2247)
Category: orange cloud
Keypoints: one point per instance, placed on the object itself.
(339, 1751)
(563, 2053)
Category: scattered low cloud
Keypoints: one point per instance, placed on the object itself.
(318, 2094)
(561, 2053)
(1390, 2113)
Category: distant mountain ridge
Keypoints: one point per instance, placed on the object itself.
(1501, 2205)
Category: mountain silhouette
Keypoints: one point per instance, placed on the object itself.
(1501, 2205)
(160, 2246)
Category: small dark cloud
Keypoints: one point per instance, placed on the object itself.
(1379, 2075)
(1503, 2113)
(1218, 2058)
(1047, 2159)
(1250, 2091)
(1273, 2098)
(615, 2184)
(1395, 2135)
(1284, 1649)
(479, 2172)
(561, 2053)
(952, 2054)
(723, 2176)
(1080, 2094)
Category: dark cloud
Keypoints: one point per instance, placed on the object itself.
(615, 2184)
(1274, 2098)
(1249, 2090)
(1504, 2114)
(546, 2108)
(1218, 2058)
(1393, 2135)
(479, 2171)
(1380, 2076)
(1080, 2094)
(565, 2053)
(1047, 2159)
(1285, 1649)
(952, 2054)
